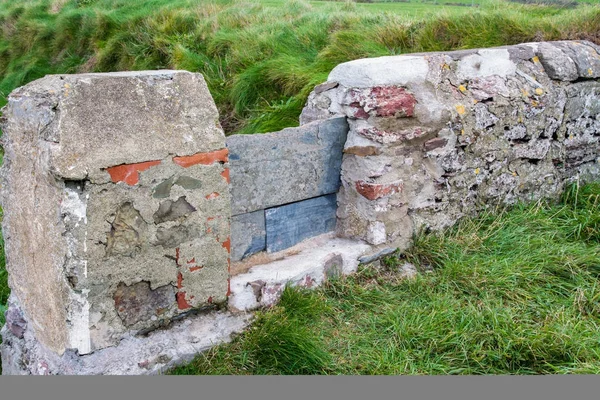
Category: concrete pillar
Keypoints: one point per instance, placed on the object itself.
(116, 209)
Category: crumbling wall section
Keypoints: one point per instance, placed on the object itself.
(437, 136)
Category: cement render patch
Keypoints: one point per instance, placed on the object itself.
(153, 354)
(308, 266)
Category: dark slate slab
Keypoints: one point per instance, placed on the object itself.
(248, 234)
(283, 167)
(290, 224)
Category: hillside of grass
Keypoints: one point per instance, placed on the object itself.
(260, 58)
(510, 292)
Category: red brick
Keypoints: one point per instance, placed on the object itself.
(129, 173)
(374, 191)
(225, 174)
(202, 158)
(359, 111)
(182, 302)
(179, 280)
(393, 101)
(227, 245)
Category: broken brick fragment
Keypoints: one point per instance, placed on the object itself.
(202, 158)
(129, 173)
(225, 174)
(227, 245)
(374, 191)
(393, 101)
(182, 302)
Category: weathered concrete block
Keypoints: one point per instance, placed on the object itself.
(116, 205)
(248, 234)
(282, 167)
(292, 223)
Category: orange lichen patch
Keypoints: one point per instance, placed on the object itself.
(129, 173)
(213, 195)
(196, 268)
(202, 158)
(460, 109)
(179, 280)
(225, 174)
(462, 88)
(192, 261)
(182, 302)
(535, 59)
(227, 245)
(539, 91)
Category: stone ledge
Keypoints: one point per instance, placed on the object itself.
(308, 265)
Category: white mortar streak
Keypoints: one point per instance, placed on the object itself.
(79, 334)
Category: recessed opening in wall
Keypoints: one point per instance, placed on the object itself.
(284, 186)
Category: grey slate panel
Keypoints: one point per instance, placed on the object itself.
(290, 224)
(283, 167)
(248, 234)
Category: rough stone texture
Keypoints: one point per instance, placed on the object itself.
(315, 260)
(290, 224)
(248, 234)
(116, 206)
(153, 354)
(437, 136)
(283, 167)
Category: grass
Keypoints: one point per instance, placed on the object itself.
(261, 59)
(510, 292)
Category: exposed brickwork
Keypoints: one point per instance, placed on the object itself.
(202, 158)
(393, 101)
(129, 173)
(374, 191)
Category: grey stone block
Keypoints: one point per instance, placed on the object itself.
(248, 234)
(287, 166)
(290, 224)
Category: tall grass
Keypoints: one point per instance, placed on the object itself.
(510, 292)
(260, 58)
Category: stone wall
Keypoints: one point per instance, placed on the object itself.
(120, 191)
(116, 209)
(437, 136)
